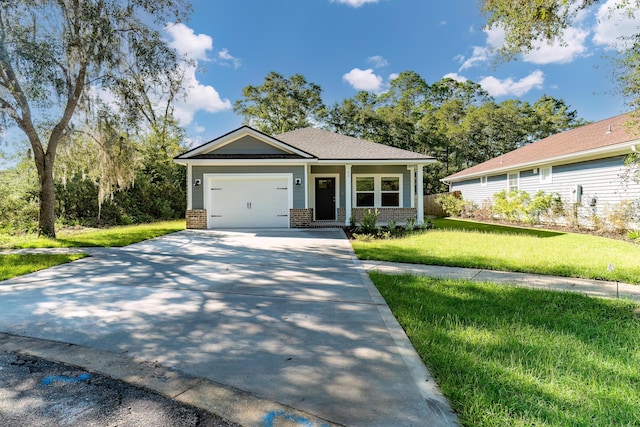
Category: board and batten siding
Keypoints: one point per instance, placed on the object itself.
(199, 171)
(600, 179)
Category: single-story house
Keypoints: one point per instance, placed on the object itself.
(303, 178)
(585, 166)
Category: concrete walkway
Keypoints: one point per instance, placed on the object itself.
(287, 317)
(596, 288)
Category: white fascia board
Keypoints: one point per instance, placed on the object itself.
(240, 133)
(378, 162)
(596, 153)
(243, 162)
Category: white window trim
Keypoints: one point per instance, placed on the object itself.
(483, 181)
(517, 182)
(549, 179)
(377, 189)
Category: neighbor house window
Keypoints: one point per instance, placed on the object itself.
(378, 191)
(513, 179)
(545, 175)
(483, 181)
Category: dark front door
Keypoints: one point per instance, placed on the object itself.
(325, 199)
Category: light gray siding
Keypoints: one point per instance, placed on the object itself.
(473, 191)
(248, 145)
(601, 180)
(199, 171)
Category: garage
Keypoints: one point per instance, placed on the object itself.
(248, 201)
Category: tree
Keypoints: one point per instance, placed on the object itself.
(53, 54)
(281, 104)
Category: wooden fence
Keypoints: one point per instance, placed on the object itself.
(431, 208)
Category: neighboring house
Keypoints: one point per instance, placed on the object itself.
(584, 165)
(304, 178)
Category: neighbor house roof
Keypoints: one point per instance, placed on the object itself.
(332, 146)
(605, 138)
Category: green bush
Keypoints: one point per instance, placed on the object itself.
(511, 206)
(369, 222)
(452, 203)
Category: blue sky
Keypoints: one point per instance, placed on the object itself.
(346, 45)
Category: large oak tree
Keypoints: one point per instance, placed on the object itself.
(56, 54)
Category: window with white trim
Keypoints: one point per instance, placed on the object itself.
(546, 175)
(372, 191)
(513, 180)
(483, 181)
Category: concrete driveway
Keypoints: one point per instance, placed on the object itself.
(287, 315)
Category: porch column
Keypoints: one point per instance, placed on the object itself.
(189, 187)
(347, 193)
(420, 194)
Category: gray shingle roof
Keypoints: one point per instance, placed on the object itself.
(327, 145)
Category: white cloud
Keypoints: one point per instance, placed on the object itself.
(354, 3)
(613, 23)
(496, 87)
(571, 47)
(483, 54)
(197, 97)
(455, 76)
(363, 79)
(377, 61)
(186, 42)
(393, 76)
(230, 59)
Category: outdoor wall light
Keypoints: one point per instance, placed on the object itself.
(298, 181)
(196, 182)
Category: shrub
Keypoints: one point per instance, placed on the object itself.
(410, 224)
(619, 216)
(452, 203)
(369, 222)
(539, 205)
(511, 206)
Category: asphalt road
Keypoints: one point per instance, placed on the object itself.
(36, 392)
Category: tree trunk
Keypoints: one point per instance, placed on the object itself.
(47, 216)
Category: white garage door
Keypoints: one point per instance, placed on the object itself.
(248, 201)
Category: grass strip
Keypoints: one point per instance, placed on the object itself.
(494, 247)
(104, 237)
(12, 265)
(518, 357)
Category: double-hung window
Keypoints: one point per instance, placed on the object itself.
(372, 191)
(513, 179)
(545, 175)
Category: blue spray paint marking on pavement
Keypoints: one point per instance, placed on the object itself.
(270, 418)
(62, 378)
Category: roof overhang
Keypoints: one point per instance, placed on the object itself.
(236, 135)
(582, 156)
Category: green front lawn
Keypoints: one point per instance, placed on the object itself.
(518, 357)
(17, 265)
(103, 237)
(477, 245)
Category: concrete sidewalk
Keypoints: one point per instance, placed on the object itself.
(595, 288)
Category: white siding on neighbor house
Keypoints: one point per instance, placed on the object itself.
(473, 191)
(600, 180)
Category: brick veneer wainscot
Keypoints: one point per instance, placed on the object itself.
(197, 219)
